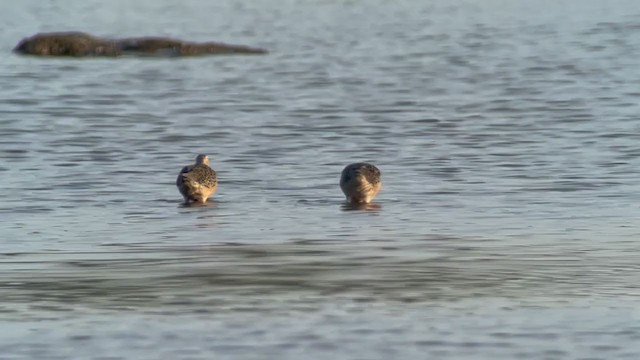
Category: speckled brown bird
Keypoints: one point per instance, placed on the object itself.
(197, 182)
(360, 182)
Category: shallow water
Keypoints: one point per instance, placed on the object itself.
(506, 133)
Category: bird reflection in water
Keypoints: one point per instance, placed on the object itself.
(209, 203)
(361, 206)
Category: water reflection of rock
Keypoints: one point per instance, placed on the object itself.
(78, 44)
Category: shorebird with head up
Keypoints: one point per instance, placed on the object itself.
(360, 182)
(197, 182)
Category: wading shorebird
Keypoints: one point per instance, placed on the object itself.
(360, 182)
(197, 182)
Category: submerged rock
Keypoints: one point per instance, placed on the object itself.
(82, 44)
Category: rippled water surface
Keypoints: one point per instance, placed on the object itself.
(508, 137)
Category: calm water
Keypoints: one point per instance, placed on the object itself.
(508, 137)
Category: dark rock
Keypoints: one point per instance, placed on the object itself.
(82, 44)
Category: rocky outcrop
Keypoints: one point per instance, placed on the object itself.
(82, 44)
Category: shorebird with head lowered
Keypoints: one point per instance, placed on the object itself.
(197, 182)
(360, 182)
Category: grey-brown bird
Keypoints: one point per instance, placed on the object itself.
(197, 182)
(360, 182)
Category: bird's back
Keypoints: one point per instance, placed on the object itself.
(370, 173)
(197, 182)
(202, 174)
(360, 182)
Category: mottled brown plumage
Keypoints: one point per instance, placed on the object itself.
(197, 182)
(360, 182)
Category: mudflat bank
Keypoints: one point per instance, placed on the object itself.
(79, 44)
